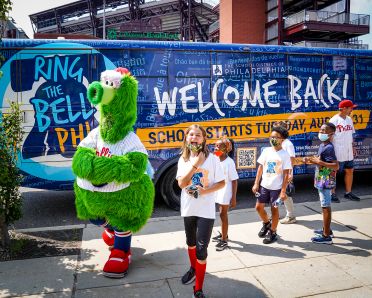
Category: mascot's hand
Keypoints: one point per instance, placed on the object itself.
(82, 162)
(129, 167)
(102, 172)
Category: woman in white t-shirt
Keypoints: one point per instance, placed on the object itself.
(200, 176)
(226, 197)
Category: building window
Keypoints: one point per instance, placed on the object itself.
(272, 15)
(273, 42)
(270, 4)
(272, 32)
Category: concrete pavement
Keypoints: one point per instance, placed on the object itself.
(291, 267)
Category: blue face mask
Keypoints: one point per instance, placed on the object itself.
(323, 136)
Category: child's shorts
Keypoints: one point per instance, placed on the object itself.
(268, 196)
(325, 196)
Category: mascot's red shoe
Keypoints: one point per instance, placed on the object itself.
(109, 237)
(117, 264)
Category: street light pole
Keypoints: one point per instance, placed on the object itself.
(104, 19)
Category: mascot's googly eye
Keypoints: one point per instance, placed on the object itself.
(111, 78)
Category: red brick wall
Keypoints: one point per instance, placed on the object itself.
(242, 21)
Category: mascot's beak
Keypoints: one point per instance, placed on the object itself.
(99, 93)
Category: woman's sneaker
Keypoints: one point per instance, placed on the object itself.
(288, 220)
(321, 239)
(220, 246)
(265, 228)
(270, 237)
(320, 232)
(188, 277)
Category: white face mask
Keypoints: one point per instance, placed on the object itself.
(323, 136)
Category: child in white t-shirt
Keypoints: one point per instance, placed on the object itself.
(226, 197)
(275, 164)
(287, 145)
(200, 176)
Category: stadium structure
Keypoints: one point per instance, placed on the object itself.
(188, 20)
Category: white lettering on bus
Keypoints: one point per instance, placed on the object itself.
(232, 97)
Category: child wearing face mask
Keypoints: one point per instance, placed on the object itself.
(226, 197)
(200, 176)
(325, 180)
(274, 166)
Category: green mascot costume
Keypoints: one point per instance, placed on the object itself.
(112, 188)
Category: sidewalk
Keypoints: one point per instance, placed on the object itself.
(291, 267)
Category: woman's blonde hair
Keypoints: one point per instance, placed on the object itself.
(185, 151)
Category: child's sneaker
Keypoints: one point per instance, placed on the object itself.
(188, 277)
(270, 237)
(108, 237)
(334, 198)
(351, 196)
(198, 294)
(217, 238)
(220, 246)
(320, 232)
(117, 264)
(265, 228)
(321, 239)
(288, 220)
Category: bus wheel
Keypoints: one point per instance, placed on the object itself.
(169, 189)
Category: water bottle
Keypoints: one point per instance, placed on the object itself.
(278, 202)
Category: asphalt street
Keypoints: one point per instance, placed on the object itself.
(42, 208)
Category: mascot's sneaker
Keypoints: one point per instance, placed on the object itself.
(117, 264)
(109, 237)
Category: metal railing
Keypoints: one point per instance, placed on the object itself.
(326, 17)
(214, 26)
(341, 45)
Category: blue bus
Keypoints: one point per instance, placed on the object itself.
(231, 89)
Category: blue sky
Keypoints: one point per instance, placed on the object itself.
(22, 8)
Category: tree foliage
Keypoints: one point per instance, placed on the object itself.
(10, 177)
(5, 7)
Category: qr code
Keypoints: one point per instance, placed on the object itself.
(246, 158)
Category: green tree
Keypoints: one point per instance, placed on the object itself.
(10, 178)
(5, 7)
(10, 139)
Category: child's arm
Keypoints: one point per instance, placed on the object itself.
(283, 194)
(256, 185)
(332, 165)
(234, 184)
(290, 174)
(213, 188)
(185, 180)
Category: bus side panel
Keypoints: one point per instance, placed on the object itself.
(239, 94)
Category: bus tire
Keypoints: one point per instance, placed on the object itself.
(169, 189)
